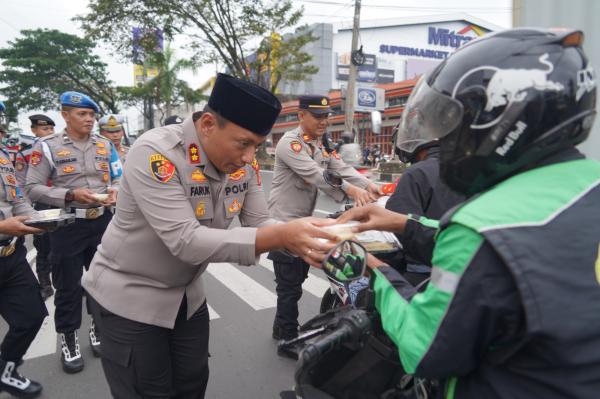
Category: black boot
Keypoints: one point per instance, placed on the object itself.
(72, 361)
(15, 384)
(46, 286)
(94, 339)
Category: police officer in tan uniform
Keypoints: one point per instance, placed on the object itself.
(182, 187)
(111, 127)
(300, 163)
(80, 165)
(21, 304)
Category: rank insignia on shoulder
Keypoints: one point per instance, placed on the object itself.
(101, 152)
(235, 206)
(325, 154)
(296, 146)
(63, 153)
(162, 169)
(36, 158)
(69, 169)
(306, 138)
(335, 155)
(194, 153)
(256, 168)
(200, 209)
(237, 175)
(198, 176)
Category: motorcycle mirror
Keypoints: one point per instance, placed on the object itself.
(346, 262)
(376, 122)
(333, 178)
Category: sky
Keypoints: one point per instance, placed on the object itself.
(16, 15)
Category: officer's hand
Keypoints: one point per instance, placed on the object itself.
(361, 197)
(375, 190)
(84, 196)
(300, 237)
(15, 227)
(374, 217)
(112, 197)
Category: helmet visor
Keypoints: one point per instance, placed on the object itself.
(428, 115)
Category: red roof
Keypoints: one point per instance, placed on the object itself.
(394, 89)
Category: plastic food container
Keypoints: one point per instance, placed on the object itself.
(343, 231)
(101, 197)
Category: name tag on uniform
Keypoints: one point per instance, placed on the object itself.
(201, 190)
(65, 160)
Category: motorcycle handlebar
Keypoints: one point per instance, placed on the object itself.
(317, 349)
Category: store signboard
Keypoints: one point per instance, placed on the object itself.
(368, 98)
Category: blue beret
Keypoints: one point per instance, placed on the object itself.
(2, 107)
(245, 104)
(78, 100)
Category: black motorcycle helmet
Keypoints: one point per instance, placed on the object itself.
(502, 103)
(407, 147)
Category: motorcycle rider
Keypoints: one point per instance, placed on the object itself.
(512, 307)
(420, 191)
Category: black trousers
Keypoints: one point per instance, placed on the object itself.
(41, 242)
(290, 273)
(145, 361)
(21, 304)
(71, 249)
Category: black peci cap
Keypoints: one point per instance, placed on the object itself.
(317, 105)
(245, 104)
(41, 120)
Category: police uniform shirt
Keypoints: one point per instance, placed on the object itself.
(70, 165)
(12, 202)
(298, 176)
(171, 218)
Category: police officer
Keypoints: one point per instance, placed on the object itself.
(183, 185)
(81, 166)
(300, 162)
(21, 304)
(41, 126)
(420, 192)
(111, 127)
(512, 307)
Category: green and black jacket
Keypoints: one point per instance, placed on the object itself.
(513, 307)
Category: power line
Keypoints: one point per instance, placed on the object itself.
(411, 8)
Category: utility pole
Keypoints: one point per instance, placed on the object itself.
(349, 120)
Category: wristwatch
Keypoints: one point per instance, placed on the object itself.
(69, 196)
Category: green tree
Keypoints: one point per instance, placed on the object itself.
(42, 63)
(224, 31)
(165, 90)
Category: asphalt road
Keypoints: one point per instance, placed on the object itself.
(243, 364)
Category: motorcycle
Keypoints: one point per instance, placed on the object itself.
(347, 355)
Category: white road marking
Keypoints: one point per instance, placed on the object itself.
(212, 314)
(313, 284)
(31, 256)
(251, 292)
(46, 339)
